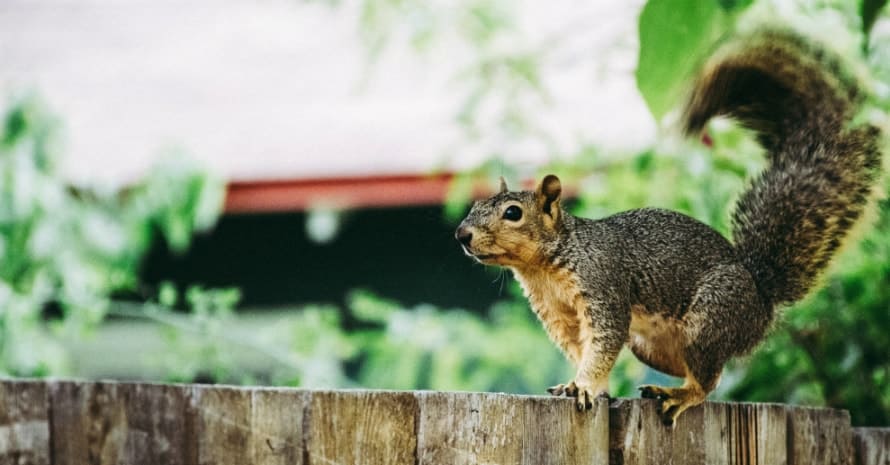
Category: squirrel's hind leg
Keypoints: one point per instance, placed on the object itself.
(726, 318)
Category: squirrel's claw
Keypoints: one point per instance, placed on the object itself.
(584, 396)
(584, 400)
(673, 401)
(569, 389)
(648, 391)
(572, 389)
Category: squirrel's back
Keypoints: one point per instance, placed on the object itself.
(794, 216)
(664, 256)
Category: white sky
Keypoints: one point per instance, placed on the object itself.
(273, 89)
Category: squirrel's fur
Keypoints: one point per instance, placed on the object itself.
(682, 297)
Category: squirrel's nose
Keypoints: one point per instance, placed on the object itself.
(463, 235)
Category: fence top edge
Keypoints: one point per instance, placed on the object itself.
(615, 403)
(878, 430)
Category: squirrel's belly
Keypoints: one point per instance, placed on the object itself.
(658, 341)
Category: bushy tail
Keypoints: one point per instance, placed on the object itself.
(794, 216)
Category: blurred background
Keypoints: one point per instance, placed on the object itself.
(265, 192)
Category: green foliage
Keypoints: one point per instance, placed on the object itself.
(687, 178)
(70, 247)
(428, 348)
(674, 36)
(393, 348)
(208, 343)
(869, 10)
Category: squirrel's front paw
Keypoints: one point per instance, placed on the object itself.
(569, 389)
(584, 394)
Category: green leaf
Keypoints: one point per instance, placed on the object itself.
(730, 5)
(674, 35)
(168, 295)
(869, 11)
(369, 307)
(14, 125)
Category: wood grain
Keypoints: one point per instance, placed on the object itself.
(277, 426)
(819, 436)
(24, 423)
(361, 427)
(711, 434)
(65, 422)
(121, 423)
(469, 428)
(871, 446)
(223, 425)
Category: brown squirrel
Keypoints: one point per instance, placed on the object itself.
(682, 297)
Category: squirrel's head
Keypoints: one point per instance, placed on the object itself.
(513, 228)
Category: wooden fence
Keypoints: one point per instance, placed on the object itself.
(64, 422)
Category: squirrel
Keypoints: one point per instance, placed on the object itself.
(682, 297)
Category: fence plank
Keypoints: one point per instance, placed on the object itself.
(160, 424)
(469, 428)
(554, 432)
(872, 446)
(86, 420)
(714, 433)
(819, 436)
(121, 424)
(223, 425)
(24, 423)
(277, 426)
(361, 427)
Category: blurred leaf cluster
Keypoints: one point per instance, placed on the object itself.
(392, 347)
(66, 250)
(428, 348)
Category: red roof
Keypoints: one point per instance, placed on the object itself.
(354, 192)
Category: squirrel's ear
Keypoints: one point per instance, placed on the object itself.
(548, 193)
(503, 185)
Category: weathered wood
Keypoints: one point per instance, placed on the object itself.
(121, 423)
(85, 423)
(711, 434)
(277, 426)
(223, 432)
(63, 422)
(361, 427)
(160, 423)
(819, 436)
(24, 423)
(871, 446)
(553, 432)
(497, 428)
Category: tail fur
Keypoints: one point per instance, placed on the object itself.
(794, 216)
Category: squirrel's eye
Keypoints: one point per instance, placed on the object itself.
(513, 213)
